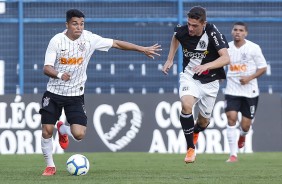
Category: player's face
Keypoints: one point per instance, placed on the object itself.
(239, 32)
(195, 27)
(75, 27)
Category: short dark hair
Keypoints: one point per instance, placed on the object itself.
(198, 13)
(74, 13)
(241, 24)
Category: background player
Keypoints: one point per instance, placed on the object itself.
(247, 63)
(204, 55)
(66, 61)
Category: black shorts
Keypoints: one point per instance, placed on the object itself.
(247, 106)
(52, 105)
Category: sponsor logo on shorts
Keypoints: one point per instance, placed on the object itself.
(252, 110)
(46, 101)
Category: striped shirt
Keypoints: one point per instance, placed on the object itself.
(70, 56)
(244, 61)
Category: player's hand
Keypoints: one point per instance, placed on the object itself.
(244, 80)
(152, 50)
(167, 66)
(66, 77)
(200, 69)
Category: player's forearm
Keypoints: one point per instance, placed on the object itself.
(219, 62)
(50, 71)
(173, 48)
(258, 73)
(127, 46)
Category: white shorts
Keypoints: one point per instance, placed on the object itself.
(205, 94)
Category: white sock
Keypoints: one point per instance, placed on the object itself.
(232, 139)
(47, 150)
(64, 129)
(242, 133)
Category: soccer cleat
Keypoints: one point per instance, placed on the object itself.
(49, 171)
(241, 141)
(232, 158)
(195, 138)
(190, 156)
(63, 138)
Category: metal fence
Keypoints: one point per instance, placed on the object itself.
(28, 25)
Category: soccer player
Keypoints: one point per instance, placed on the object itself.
(247, 63)
(204, 55)
(66, 61)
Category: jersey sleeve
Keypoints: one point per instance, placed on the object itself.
(177, 32)
(217, 39)
(259, 58)
(102, 44)
(51, 53)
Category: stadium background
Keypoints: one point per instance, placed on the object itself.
(28, 25)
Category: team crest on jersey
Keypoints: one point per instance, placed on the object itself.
(81, 47)
(46, 101)
(63, 52)
(244, 56)
(202, 44)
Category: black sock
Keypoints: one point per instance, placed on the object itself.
(198, 129)
(187, 123)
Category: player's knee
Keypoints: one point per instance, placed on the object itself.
(47, 131)
(231, 123)
(46, 134)
(79, 135)
(231, 120)
(186, 110)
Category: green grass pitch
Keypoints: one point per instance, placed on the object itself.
(140, 168)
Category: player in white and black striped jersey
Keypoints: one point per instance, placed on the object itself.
(66, 61)
(204, 55)
(247, 63)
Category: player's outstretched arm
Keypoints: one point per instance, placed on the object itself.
(148, 51)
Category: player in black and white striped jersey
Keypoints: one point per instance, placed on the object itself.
(247, 63)
(66, 61)
(204, 55)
